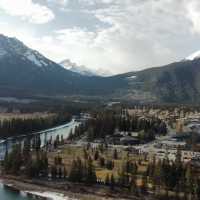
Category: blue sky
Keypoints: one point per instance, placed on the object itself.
(115, 35)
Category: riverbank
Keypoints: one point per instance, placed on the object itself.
(60, 190)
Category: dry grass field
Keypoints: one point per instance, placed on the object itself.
(69, 153)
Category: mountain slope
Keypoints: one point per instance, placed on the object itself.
(194, 56)
(177, 82)
(27, 71)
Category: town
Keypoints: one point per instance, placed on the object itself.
(130, 150)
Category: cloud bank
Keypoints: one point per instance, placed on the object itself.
(27, 10)
(123, 35)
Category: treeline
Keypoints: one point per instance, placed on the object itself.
(173, 176)
(164, 179)
(28, 159)
(51, 105)
(19, 126)
(31, 160)
(106, 123)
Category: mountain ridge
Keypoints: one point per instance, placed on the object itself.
(40, 75)
(25, 71)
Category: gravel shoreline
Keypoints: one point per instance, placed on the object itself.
(49, 190)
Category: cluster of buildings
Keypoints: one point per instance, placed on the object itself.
(123, 138)
(186, 156)
(182, 125)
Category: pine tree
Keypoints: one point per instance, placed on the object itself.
(122, 178)
(73, 172)
(157, 176)
(115, 155)
(144, 186)
(64, 173)
(188, 179)
(7, 162)
(26, 149)
(101, 161)
(178, 157)
(62, 142)
(15, 159)
(96, 155)
(109, 164)
(112, 182)
(77, 171)
(53, 172)
(91, 174)
(197, 190)
(107, 180)
(133, 185)
(60, 172)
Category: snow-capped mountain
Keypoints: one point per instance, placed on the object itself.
(12, 46)
(194, 56)
(24, 71)
(81, 69)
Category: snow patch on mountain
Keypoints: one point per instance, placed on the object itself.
(132, 77)
(194, 56)
(35, 57)
(12, 46)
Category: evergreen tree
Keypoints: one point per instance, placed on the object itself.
(107, 180)
(197, 186)
(96, 155)
(26, 149)
(62, 142)
(109, 164)
(112, 182)
(60, 172)
(53, 172)
(133, 185)
(115, 154)
(77, 171)
(65, 173)
(144, 185)
(91, 174)
(101, 161)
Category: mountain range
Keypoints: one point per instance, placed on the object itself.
(85, 71)
(24, 71)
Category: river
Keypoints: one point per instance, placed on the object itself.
(6, 194)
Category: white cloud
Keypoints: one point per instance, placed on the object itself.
(133, 39)
(58, 2)
(193, 14)
(27, 10)
(129, 34)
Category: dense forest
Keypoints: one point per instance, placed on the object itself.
(163, 179)
(19, 126)
(108, 123)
